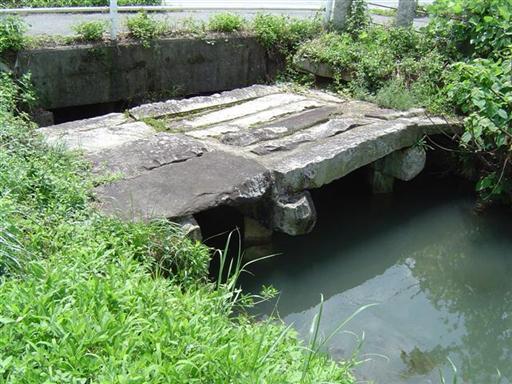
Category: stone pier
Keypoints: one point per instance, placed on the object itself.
(260, 149)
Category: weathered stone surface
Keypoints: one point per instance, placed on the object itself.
(280, 128)
(247, 113)
(190, 227)
(104, 73)
(181, 189)
(405, 164)
(136, 157)
(98, 139)
(328, 129)
(294, 214)
(173, 107)
(304, 64)
(318, 163)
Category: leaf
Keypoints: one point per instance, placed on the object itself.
(502, 113)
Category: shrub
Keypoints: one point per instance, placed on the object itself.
(225, 22)
(145, 28)
(282, 34)
(90, 30)
(482, 90)
(477, 28)
(11, 34)
(394, 94)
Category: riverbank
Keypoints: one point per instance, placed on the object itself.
(87, 298)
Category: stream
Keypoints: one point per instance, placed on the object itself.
(439, 272)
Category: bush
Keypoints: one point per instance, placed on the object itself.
(225, 22)
(477, 28)
(145, 28)
(90, 30)
(282, 34)
(11, 34)
(394, 94)
(482, 90)
(380, 59)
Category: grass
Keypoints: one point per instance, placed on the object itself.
(90, 30)
(383, 12)
(226, 22)
(86, 298)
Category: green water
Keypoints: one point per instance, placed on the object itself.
(440, 273)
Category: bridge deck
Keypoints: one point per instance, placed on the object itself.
(240, 147)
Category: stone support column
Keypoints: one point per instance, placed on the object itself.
(406, 12)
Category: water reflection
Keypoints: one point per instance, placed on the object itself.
(440, 273)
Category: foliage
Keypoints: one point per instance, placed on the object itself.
(394, 94)
(16, 95)
(12, 29)
(283, 34)
(226, 22)
(88, 298)
(358, 17)
(145, 28)
(477, 28)
(90, 30)
(380, 59)
(482, 90)
(70, 3)
(477, 36)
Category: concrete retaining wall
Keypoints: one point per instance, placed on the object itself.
(96, 74)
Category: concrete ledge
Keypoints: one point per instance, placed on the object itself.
(71, 76)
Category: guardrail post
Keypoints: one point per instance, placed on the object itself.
(340, 14)
(406, 12)
(113, 19)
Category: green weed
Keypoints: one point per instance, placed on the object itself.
(226, 22)
(12, 29)
(90, 30)
(145, 28)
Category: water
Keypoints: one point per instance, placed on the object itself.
(440, 273)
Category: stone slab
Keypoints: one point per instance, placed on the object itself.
(99, 137)
(136, 157)
(181, 189)
(321, 162)
(246, 113)
(280, 128)
(173, 107)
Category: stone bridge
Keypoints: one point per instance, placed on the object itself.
(259, 149)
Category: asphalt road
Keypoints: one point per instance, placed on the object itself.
(61, 24)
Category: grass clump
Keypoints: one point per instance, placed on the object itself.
(90, 30)
(12, 29)
(283, 34)
(226, 22)
(86, 298)
(145, 28)
(394, 94)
